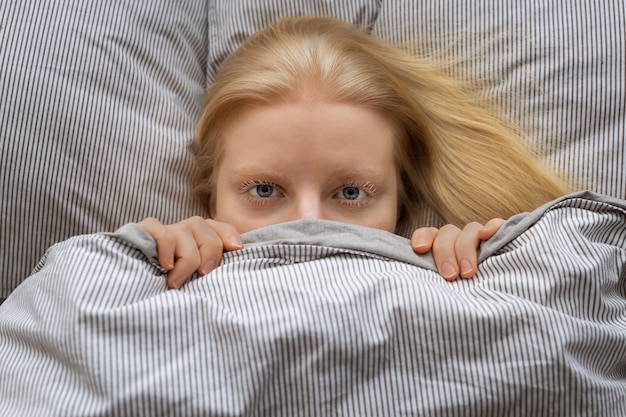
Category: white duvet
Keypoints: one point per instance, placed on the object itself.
(323, 318)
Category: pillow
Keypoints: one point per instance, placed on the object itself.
(99, 105)
(232, 21)
(100, 101)
(557, 68)
(323, 318)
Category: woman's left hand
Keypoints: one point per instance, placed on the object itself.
(455, 250)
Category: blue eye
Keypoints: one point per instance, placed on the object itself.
(352, 193)
(264, 190)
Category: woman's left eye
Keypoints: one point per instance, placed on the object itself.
(351, 193)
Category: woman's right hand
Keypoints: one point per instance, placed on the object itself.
(193, 245)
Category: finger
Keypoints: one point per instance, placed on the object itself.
(199, 249)
(165, 241)
(209, 243)
(466, 247)
(491, 228)
(444, 252)
(422, 239)
(230, 237)
(211, 238)
(187, 255)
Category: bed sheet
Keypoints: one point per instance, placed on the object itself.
(323, 318)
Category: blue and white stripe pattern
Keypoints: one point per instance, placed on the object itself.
(321, 318)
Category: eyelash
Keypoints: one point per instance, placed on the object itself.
(249, 184)
(365, 186)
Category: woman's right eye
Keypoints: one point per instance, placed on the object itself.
(262, 190)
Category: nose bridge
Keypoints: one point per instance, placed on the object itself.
(309, 205)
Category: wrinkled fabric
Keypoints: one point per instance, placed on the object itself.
(323, 318)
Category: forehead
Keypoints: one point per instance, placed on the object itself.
(310, 133)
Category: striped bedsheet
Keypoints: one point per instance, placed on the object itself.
(324, 318)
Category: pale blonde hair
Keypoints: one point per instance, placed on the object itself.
(453, 153)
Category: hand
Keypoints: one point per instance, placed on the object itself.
(195, 244)
(454, 250)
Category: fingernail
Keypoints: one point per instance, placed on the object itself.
(168, 265)
(208, 266)
(466, 267)
(236, 242)
(419, 242)
(448, 271)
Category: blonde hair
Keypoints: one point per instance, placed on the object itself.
(453, 153)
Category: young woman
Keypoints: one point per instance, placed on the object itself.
(313, 118)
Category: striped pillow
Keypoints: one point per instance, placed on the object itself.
(99, 101)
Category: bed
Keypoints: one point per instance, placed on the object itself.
(98, 110)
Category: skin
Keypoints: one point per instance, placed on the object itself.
(305, 159)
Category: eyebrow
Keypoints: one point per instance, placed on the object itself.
(366, 173)
(251, 171)
(248, 171)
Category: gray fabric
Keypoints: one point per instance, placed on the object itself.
(232, 21)
(308, 320)
(99, 102)
(556, 67)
